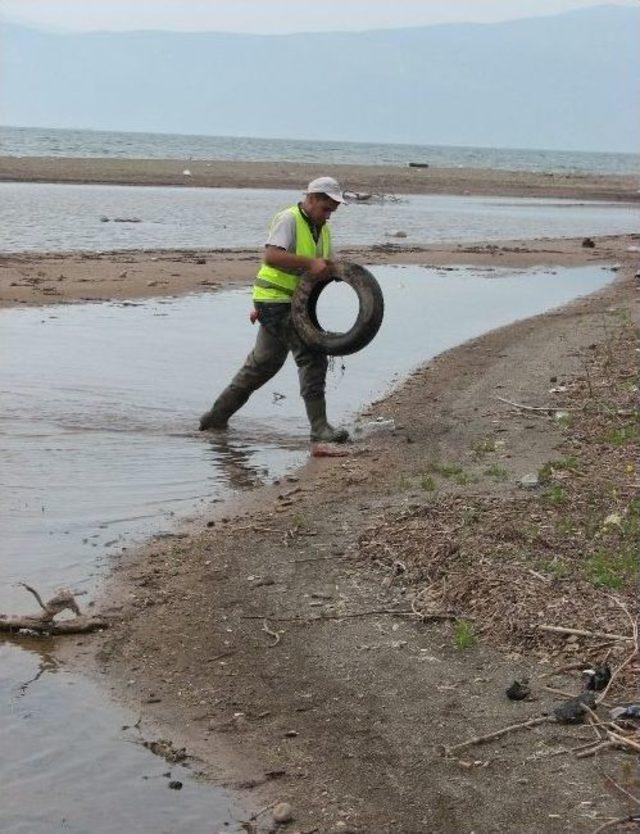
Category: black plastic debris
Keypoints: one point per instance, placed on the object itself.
(573, 711)
(519, 690)
(628, 711)
(597, 679)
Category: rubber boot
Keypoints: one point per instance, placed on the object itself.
(228, 403)
(321, 430)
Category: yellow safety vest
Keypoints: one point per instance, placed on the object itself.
(275, 285)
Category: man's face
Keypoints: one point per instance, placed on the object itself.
(319, 208)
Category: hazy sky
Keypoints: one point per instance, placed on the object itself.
(275, 16)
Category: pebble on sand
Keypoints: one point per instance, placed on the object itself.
(282, 812)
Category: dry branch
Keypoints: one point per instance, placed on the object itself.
(579, 632)
(532, 722)
(44, 623)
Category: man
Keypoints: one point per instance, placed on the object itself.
(299, 242)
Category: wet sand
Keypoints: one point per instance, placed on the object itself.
(344, 717)
(65, 278)
(294, 175)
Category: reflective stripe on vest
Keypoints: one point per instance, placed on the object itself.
(276, 285)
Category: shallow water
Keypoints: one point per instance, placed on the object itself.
(73, 763)
(54, 217)
(99, 447)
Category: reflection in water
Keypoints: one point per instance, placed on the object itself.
(234, 460)
(65, 767)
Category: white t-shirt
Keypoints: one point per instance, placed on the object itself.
(283, 234)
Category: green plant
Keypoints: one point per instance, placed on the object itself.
(496, 471)
(451, 472)
(608, 569)
(298, 520)
(622, 435)
(471, 515)
(485, 446)
(463, 636)
(566, 526)
(427, 483)
(556, 495)
(555, 566)
(564, 421)
(568, 464)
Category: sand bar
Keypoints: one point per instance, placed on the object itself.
(293, 175)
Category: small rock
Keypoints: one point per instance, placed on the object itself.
(104, 219)
(530, 481)
(399, 233)
(588, 243)
(175, 785)
(282, 812)
(186, 173)
(201, 261)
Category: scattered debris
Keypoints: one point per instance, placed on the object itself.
(519, 690)
(573, 711)
(597, 679)
(628, 711)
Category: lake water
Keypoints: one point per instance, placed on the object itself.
(100, 449)
(33, 141)
(55, 218)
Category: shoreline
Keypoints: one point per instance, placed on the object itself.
(58, 278)
(342, 718)
(295, 175)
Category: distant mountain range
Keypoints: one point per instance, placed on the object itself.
(571, 81)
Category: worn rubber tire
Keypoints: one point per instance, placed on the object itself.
(370, 313)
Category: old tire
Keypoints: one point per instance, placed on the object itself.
(366, 325)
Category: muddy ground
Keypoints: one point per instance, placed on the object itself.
(284, 639)
(293, 175)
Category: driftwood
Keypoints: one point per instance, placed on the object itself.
(45, 623)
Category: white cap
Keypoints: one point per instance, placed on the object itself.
(328, 186)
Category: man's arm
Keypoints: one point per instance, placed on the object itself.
(281, 259)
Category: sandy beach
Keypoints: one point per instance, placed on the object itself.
(294, 175)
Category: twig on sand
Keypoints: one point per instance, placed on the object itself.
(617, 821)
(580, 632)
(271, 633)
(532, 722)
(622, 790)
(537, 408)
(629, 658)
(370, 613)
